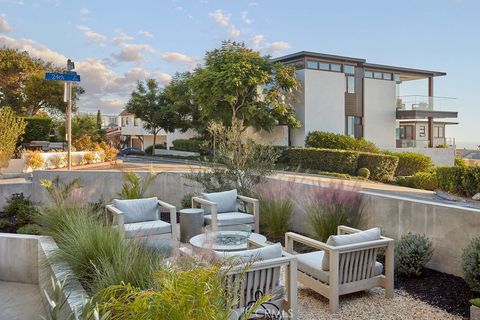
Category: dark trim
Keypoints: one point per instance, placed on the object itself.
(405, 70)
(425, 114)
(317, 55)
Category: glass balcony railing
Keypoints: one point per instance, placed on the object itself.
(437, 142)
(426, 103)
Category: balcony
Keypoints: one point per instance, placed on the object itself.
(438, 142)
(423, 107)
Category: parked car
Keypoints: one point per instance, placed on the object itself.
(129, 151)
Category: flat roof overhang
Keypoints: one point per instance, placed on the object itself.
(425, 114)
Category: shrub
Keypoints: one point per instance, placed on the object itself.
(471, 181)
(471, 264)
(149, 149)
(34, 160)
(363, 172)
(276, 208)
(324, 159)
(327, 207)
(135, 185)
(89, 158)
(410, 163)
(21, 207)
(460, 162)
(57, 161)
(11, 129)
(110, 152)
(192, 145)
(450, 179)
(412, 253)
(83, 143)
(37, 129)
(382, 167)
(327, 140)
(424, 180)
(5, 224)
(186, 201)
(29, 229)
(475, 302)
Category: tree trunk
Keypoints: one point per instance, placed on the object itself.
(154, 141)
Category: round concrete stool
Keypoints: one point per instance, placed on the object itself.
(191, 223)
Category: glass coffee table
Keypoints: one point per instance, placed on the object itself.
(226, 240)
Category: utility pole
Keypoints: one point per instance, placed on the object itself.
(68, 86)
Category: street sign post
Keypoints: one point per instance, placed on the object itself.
(68, 77)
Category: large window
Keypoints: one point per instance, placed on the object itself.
(352, 122)
(368, 74)
(335, 67)
(312, 64)
(350, 84)
(324, 66)
(348, 69)
(438, 132)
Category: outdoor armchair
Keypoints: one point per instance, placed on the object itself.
(221, 210)
(259, 270)
(346, 263)
(140, 218)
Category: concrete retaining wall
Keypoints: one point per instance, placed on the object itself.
(11, 186)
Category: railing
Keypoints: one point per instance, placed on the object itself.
(416, 102)
(437, 143)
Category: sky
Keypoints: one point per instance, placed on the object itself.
(116, 43)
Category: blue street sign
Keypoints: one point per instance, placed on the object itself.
(69, 76)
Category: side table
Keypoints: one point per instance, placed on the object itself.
(191, 223)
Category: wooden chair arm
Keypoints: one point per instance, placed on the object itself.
(213, 210)
(291, 237)
(256, 210)
(117, 216)
(199, 200)
(247, 199)
(173, 216)
(346, 230)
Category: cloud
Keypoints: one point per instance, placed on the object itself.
(245, 18)
(132, 52)
(92, 35)
(164, 78)
(146, 34)
(121, 37)
(34, 48)
(84, 11)
(4, 26)
(276, 47)
(191, 62)
(257, 41)
(253, 4)
(220, 17)
(223, 19)
(17, 2)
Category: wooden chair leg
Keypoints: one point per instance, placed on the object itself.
(334, 303)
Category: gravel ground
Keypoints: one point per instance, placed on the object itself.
(369, 305)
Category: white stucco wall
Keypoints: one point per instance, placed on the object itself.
(324, 101)
(379, 112)
(297, 135)
(277, 137)
(440, 156)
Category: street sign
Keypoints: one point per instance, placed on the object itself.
(69, 76)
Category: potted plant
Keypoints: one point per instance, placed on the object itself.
(475, 309)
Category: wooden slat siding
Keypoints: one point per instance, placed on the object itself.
(359, 75)
(350, 104)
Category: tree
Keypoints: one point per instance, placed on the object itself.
(99, 120)
(239, 83)
(148, 104)
(23, 87)
(82, 125)
(11, 128)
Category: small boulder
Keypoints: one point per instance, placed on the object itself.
(476, 197)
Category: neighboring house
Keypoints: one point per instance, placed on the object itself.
(109, 121)
(350, 96)
(133, 134)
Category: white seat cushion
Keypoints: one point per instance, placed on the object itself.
(311, 264)
(147, 228)
(346, 239)
(226, 201)
(138, 210)
(231, 218)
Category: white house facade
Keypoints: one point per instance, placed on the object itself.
(350, 96)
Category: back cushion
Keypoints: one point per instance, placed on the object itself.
(226, 201)
(264, 253)
(345, 239)
(138, 210)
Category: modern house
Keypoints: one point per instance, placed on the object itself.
(133, 134)
(351, 96)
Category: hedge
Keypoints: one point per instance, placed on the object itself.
(37, 129)
(420, 180)
(148, 150)
(382, 167)
(464, 181)
(339, 161)
(328, 140)
(192, 145)
(410, 163)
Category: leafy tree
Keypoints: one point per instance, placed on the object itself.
(239, 83)
(23, 87)
(148, 104)
(11, 128)
(82, 125)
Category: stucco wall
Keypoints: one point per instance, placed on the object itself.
(297, 135)
(9, 187)
(440, 156)
(277, 137)
(379, 112)
(324, 101)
